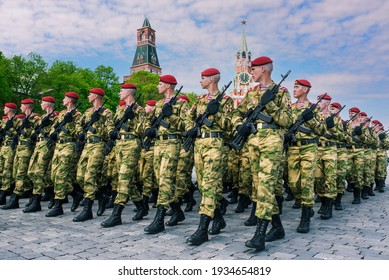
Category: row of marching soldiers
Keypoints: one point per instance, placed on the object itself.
(306, 145)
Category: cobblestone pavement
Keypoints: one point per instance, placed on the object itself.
(357, 232)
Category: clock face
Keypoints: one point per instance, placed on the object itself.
(244, 78)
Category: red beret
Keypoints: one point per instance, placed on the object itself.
(5, 117)
(363, 114)
(354, 109)
(97, 91)
(262, 60)
(376, 122)
(127, 86)
(27, 101)
(151, 102)
(48, 99)
(303, 83)
(11, 106)
(210, 72)
(20, 116)
(122, 103)
(184, 97)
(336, 105)
(327, 97)
(72, 94)
(169, 79)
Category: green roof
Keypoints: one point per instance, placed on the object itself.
(146, 23)
(146, 54)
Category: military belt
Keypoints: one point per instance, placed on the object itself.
(267, 126)
(23, 142)
(327, 144)
(43, 139)
(128, 136)
(94, 140)
(303, 142)
(7, 143)
(169, 136)
(65, 140)
(211, 135)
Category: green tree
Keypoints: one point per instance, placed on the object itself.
(5, 88)
(146, 84)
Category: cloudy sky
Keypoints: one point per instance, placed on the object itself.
(342, 47)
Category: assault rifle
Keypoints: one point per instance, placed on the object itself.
(20, 130)
(120, 125)
(5, 131)
(353, 134)
(350, 120)
(203, 120)
(157, 122)
(290, 134)
(253, 115)
(61, 126)
(88, 127)
(328, 135)
(37, 130)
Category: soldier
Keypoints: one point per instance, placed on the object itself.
(166, 151)
(127, 151)
(64, 134)
(7, 153)
(302, 154)
(99, 120)
(265, 147)
(39, 170)
(23, 154)
(380, 174)
(208, 152)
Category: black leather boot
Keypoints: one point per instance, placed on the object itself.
(252, 220)
(30, 200)
(51, 201)
(280, 200)
(350, 187)
(48, 194)
(116, 217)
(305, 220)
(365, 191)
(190, 201)
(381, 186)
(111, 201)
(77, 197)
(154, 196)
(57, 210)
(233, 196)
(242, 202)
(327, 213)
(35, 205)
(370, 191)
(141, 211)
(258, 240)
(86, 213)
(289, 192)
(158, 224)
(201, 234)
(13, 202)
(102, 200)
(277, 231)
(338, 202)
(218, 223)
(297, 204)
(3, 197)
(177, 216)
(323, 205)
(223, 205)
(357, 196)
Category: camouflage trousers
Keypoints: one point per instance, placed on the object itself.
(381, 164)
(39, 170)
(233, 168)
(63, 169)
(245, 182)
(369, 167)
(357, 162)
(89, 168)
(341, 169)
(184, 174)
(6, 165)
(265, 150)
(325, 174)
(23, 184)
(209, 172)
(127, 158)
(112, 170)
(166, 154)
(301, 172)
(147, 171)
(279, 190)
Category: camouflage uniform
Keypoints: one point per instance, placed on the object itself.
(184, 174)
(380, 173)
(371, 144)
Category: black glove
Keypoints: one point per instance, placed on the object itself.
(267, 97)
(45, 122)
(382, 136)
(114, 135)
(81, 137)
(34, 137)
(129, 114)
(54, 136)
(192, 132)
(357, 130)
(26, 123)
(8, 125)
(213, 107)
(243, 130)
(288, 138)
(307, 114)
(167, 110)
(95, 116)
(330, 122)
(68, 118)
(15, 138)
(151, 132)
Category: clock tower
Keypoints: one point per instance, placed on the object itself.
(242, 79)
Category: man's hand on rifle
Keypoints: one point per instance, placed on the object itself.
(54, 136)
(114, 135)
(307, 114)
(34, 137)
(330, 122)
(95, 116)
(8, 125)
(151, 132)
(68, 118)
(213, 107)
(45, 122)
(26, 123)
(81, 137)
(15, 138)
(382, 136)
(267, 97)
(167, 110)
(192, 133)
(243, 130)
(129, 114)
(357, 130)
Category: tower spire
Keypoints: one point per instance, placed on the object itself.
(243, 44)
